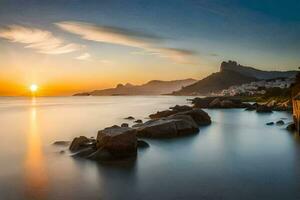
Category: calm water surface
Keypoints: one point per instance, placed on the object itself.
(236, 157)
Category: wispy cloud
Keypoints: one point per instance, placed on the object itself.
(41, 40)
(125, 37)
(84, 56)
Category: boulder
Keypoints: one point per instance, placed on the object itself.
(179, 108)
(216, 103)
(160, 114)
(280, 122)
(198, 115)
(227, 104)
(124, 125)
(168, 127)
(138, 121)
(117, 141)
(270, 123)
(79, 143)
(263, 109)
(129, 118)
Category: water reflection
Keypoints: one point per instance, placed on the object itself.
(36, 181)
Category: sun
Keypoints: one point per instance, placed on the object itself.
(33, 88)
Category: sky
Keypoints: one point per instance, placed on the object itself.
(69, 46)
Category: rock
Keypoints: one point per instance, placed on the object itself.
(167, 127)
(179, 108)
(124, 125)
(263, 109)
(198, 115)
(227, 104)
(85, 153)
(251, 107)
(117, 141)
(79, 143)
(202, 102)
(270, 123)
(129, 118)
(138, 121)
(216, 103)
(280, 122)
(142, 144)
(291, 127)
(62, 152)
(61, 143)
(160, 114)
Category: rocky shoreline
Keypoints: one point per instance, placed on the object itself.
(117, 143)
(236, 102)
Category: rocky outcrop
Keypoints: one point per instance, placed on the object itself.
(112, 144)
(263, 109)
(177, 121)
(200, 117)
(167, 127)
(218, 102)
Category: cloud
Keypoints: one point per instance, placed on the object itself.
(84, 56)
(41, 40)
(125, 37)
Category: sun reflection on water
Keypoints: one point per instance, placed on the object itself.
(36, 180)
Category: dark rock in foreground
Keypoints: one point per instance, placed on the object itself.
(118, 141)
(113, 143)
(270, 123)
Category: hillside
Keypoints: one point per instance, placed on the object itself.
(154, 87)
(231, 73)
(215, 82)
(259, 74)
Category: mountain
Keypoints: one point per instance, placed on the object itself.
(230, 74)
(154, 87)
(259, 74)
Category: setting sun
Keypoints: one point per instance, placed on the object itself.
(33, 87)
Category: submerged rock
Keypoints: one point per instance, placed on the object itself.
(138, 121)
(124, 125)
(129, 118)
(280, 122)
(61, 143)
(270, 123)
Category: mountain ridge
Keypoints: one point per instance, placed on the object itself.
(153, 87)
(231, 73)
